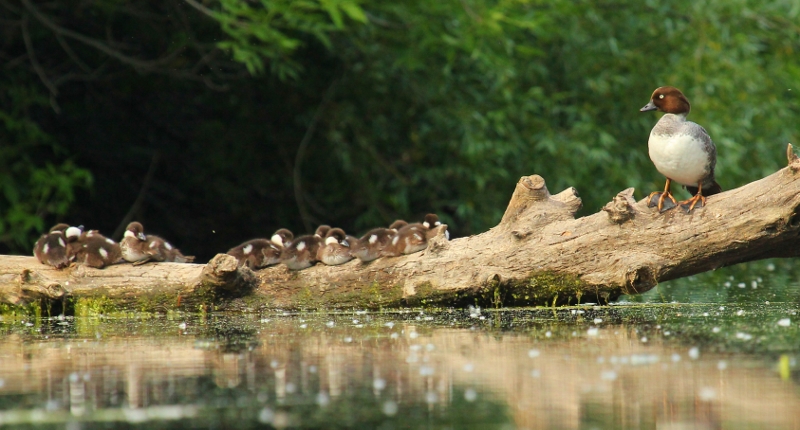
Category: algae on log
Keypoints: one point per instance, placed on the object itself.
(539, 254)
(122, 287)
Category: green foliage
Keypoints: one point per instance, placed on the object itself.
(37, 179)
(407, 107)
(270, 30)
(446, 104)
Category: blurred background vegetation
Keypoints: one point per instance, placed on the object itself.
(216, 121)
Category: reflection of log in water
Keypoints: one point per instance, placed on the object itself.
(552, 384)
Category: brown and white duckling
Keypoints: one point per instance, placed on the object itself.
(336, 249)
(370, 246)
(301, 252)
(256, 253)
(260, 253)
(51, 248)
(431, 222)
(282, 237)
(412, 237)
(92, 248)
(139, 248)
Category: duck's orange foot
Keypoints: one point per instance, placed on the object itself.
(698, 201)
(663, 200)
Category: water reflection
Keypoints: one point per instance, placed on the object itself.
(385, 371)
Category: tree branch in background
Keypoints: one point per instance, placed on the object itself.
(137, 204)
(34, 61)
(141, 64)
(301, 151)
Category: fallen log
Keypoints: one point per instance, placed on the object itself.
(539, 254)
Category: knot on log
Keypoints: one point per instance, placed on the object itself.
(521, 234)
(620, 209)
(639, 280)
(225, 276)
(437, 240)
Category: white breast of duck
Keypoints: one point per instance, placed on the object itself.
(681, 150)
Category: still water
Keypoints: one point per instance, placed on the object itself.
(712, 352)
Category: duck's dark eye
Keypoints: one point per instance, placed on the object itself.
(661, 96)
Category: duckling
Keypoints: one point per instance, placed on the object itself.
(139, 249)
(282, 237)
(256, 253)
(301, 252)
(370, 246)
(412, 237)
(92, 248)
(336, 249)
(51, 248)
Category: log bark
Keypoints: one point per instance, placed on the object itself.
(538, 254)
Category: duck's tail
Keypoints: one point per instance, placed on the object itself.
(708, 189)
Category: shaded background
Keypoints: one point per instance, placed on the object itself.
(213, 122)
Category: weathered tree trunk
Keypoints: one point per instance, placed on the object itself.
(538, 254)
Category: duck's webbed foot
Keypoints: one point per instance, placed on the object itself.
(697, 201)
(663, 200)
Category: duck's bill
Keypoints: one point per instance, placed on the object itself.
(648, 107)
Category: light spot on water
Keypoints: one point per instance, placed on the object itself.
(470, 395)
(608, 375)
(533, 353)
(741, 285)
(323, 399)
(598, 320)
(413, 335)
(770, 267)
(426, 371)
(389, 408)
(592, 331)
(676, 357)
(330, 324)
(347, 339)
(303, 325)
(536, 373)
(266, 416)
(644, 339)
(379, 384)
(715, 330)
(182, 326)
(469, 367)
(290, 387)
(707, 394)
(785, 322)
(739, 313)
(694, 353)
(722, 365)
(431, 397)
(548, 334)
(743, 336)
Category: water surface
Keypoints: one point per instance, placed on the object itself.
(682, 356)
